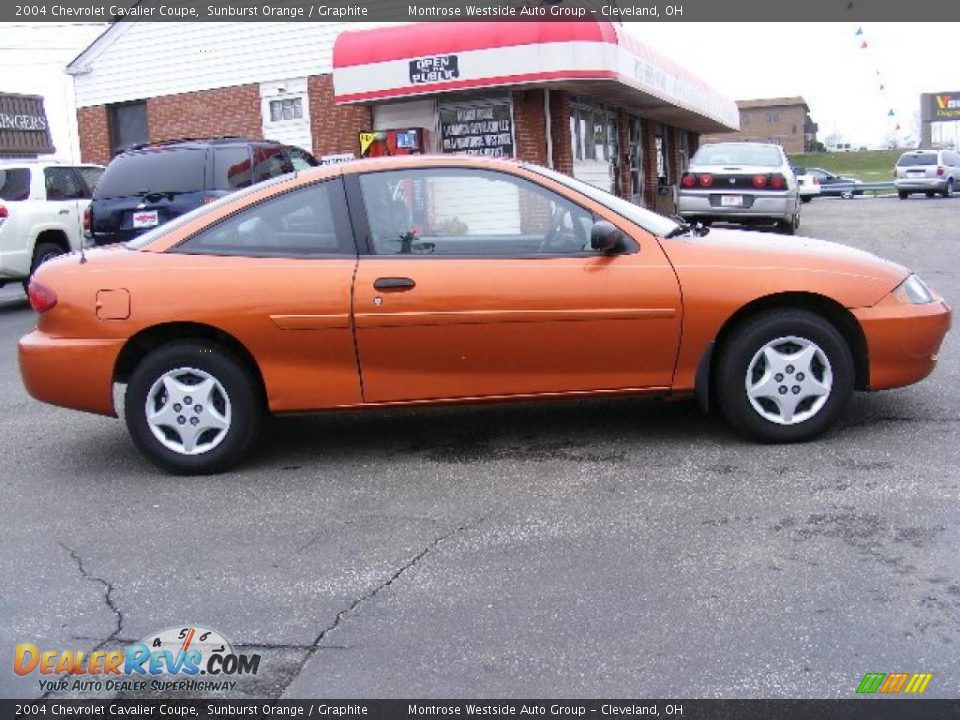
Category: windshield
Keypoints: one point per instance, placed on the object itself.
(918, 159)
(650, 221)
(737, 154)
(148, 237)
(178, 170)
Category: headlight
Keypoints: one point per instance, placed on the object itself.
(913, 291)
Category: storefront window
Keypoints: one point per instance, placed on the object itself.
(663, 153)
(479, 128)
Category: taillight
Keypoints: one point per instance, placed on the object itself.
(41, 297)
(759, 181)
(4, 213)
(940, 171)
(87, 222)
(706, 180)
(688, 180)
(777, 182)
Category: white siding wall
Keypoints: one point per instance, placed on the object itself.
(147, 59)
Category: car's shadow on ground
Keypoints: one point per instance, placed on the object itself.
(582, 430)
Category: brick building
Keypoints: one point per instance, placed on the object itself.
(784, 121)
(583, 97)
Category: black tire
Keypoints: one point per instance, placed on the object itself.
(789, 227)
(948, 190)
(239, 389)
(930, 193)
(42, 252)
(806, 199)
(903, 195)
(745, 343)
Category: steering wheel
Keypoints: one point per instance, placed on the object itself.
(560, 238)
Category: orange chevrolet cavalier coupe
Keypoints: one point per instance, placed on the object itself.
(454, 279)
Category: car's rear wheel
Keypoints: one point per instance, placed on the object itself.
(903, 195)
(948, 190)
(789, 227)
(930, 193)
(806, 199)
(784, 376)
(192, 408)
(43, 252)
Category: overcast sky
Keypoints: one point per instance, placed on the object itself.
(823, 62)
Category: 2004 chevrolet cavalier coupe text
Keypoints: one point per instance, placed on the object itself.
(454, 279)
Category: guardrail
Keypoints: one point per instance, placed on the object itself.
(849, 189)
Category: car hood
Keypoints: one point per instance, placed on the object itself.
(780, 263)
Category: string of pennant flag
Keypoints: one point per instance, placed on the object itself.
(881, 84)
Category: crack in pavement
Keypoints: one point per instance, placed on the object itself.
(107, 596)
(411, 563)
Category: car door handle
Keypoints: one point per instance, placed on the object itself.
(394, 283)
(65, 211)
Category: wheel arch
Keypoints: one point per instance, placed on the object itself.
(828, 308)
(150, 338)
(51, 235)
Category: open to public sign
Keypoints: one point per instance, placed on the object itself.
(434, 69)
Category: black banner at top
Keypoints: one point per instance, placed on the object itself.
(482, 10)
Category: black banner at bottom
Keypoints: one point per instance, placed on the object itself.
(853, 709)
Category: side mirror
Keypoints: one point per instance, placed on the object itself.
(607, 239)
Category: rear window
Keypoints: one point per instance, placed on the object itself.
(178, 170)
(736, 154)
(918, 159)
(14, 183)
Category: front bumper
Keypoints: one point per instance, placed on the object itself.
(70, 372)
(707, 204)
(903, 340)
(937, 184)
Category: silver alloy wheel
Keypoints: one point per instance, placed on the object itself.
(789, 380)
(188, 411)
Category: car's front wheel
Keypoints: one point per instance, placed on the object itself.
(903, 195)
(948, 190)
(192, 408)
(784, 376)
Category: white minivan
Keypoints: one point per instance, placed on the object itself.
(927, 171)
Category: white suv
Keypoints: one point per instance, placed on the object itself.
(41, 213)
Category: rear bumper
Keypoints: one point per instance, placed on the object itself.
(71, 373)
(902, 340)
(923, 184)
(707, 205)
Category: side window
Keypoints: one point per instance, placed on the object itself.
(231, 167)
(301, 160)
(62, 184)
(269, 162)
(90, 176)
(300, 223)
(455, 211)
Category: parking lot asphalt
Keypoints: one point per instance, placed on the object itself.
(577, 549)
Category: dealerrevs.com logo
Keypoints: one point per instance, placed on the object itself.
(177, 659)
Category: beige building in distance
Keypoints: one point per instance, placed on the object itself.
(785, 121)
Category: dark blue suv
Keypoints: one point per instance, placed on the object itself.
(148, 185)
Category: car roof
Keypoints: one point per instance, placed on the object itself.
(198, 143)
